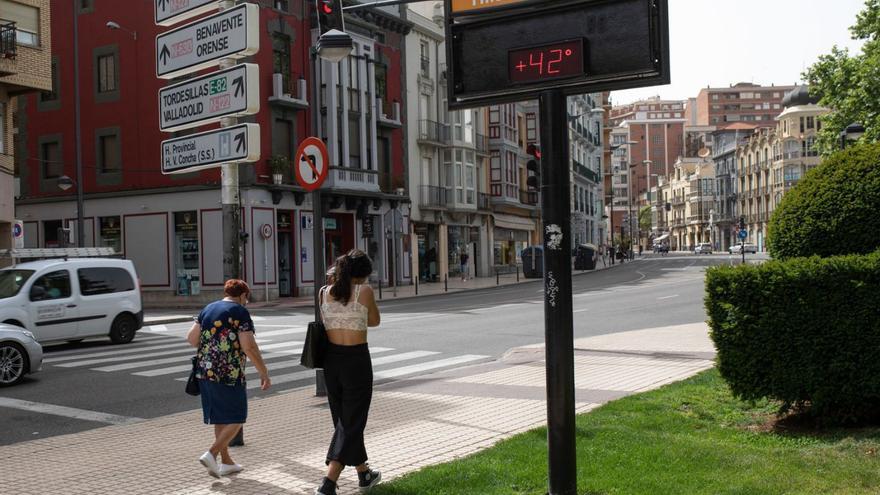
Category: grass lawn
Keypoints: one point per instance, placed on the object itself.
(688, 438)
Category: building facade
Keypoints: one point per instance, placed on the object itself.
(742, 102)
(171, 225)
(25, 67)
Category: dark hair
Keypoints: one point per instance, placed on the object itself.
(235, 287)
(354, 264)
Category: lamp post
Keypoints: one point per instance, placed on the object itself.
(112, 25)
(853, 132)
(80, 200)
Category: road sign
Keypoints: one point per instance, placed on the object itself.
(743, 234)
(312, 163)
(580, 46)
(240, 143)
(266, 231)
(226, 93)
(18, 234)
(170, 12)
(233, 33)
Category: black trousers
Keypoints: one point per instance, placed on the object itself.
(348, 374)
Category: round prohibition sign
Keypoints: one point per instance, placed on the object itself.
(265, 231)
(312, 163)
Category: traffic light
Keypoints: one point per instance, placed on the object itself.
(534, 166)
(742, 223)
(329, 15)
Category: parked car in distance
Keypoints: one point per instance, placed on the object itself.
(20, 354)
(703, 248)
(739, 248)
(72, 299)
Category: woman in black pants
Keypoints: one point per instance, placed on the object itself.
(348, 307)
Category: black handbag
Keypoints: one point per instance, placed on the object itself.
(192, 383)
(315, 346)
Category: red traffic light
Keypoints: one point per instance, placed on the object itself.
(533, 150)
(326, 7)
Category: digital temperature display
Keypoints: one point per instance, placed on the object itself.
(546, 62)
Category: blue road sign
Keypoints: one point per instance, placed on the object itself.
(743, 234)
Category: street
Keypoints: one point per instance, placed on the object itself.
(93, 383)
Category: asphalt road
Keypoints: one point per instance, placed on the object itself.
(93, 383)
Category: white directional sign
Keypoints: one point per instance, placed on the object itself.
(170, 12)
(226, 93)
(239, 143)
(233, 33)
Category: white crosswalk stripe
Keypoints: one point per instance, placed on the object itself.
(114, 352)
(90, 362)
(430, 365)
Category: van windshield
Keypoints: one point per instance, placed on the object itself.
(11, 281)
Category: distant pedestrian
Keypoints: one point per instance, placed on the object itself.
(224, 336)
(463, 261)
(348, 307)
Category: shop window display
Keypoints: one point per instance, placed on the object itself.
(186, 241)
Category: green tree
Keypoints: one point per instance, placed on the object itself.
(833, 210)
(849, 84)
(645, 219)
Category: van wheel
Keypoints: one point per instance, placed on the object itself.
(123, 329)
(13, 364)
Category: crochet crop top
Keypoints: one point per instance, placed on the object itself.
(338, 316)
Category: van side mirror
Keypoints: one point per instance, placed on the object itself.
(38, 293)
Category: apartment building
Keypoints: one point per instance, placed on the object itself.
(690, 192)
(773, 160)
(742, 102)
(448, 161)
(25, 67)
(171, 225)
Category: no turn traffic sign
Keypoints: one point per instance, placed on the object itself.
(312, 163)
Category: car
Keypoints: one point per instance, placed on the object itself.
(20, 354)
(73, 299)
(738, 248)
(703, 248)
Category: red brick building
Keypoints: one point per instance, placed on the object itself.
(170, 225)
(743, 102)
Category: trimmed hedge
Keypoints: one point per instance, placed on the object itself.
(834, 209)
(804, 331)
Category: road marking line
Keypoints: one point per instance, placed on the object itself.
(408, 370)
(580, 310)
(89, 362)
(157, 328)
(667, 297)
(185, 368)
(285, 331)
(68, 412)
(142, 364)
(68, 357)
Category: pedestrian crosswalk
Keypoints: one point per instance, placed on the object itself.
(156, 355)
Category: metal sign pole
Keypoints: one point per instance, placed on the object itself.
(317, 216)
(558, 323)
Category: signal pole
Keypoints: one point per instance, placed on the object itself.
(558, 319)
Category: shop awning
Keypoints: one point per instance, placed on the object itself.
(661, 238)
(513, 222)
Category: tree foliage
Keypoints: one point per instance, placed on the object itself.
(833, 210)
(645, 219)
(849, 83)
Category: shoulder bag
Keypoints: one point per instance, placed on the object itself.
(315, 345)
(192, 383)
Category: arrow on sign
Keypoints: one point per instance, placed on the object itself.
(161, 3)
(239, 142)
(164, 54)
(238, 82)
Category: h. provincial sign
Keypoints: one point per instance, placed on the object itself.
(233, 33)
(240, 143)
(170, 12)
(226, 93)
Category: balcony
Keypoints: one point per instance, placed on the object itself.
(483, 202)
(356, 179)
(693, 219)
(8, 48)
(432, 132)
(585, 172)
(434, 197)
(528, 197)
(677, 200)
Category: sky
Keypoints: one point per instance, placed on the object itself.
(719, 43)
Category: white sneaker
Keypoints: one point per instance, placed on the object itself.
(207, 459)
(227, 469)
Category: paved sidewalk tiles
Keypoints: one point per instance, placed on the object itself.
(413, 423)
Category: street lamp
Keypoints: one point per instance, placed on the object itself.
(64, 182)
(115, 25)
(853, 132)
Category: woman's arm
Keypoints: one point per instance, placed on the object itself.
(194, 333)
(249, 346)
(368, 299)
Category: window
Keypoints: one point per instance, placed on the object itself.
(86, 6)
(425, 51)
(2, 127)
(52, 95)
(811, 122)
(107, 154)
(381, 71)
(282, 5)
(96, 281)
(26, 19)
(108, 77)
(110, 230)
(50, 158)
(53, 285)
(281, 57)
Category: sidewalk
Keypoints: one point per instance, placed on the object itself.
(413, 423)
(153, 316)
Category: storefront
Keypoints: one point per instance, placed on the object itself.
(186, 247)
(286, 253)
(511, 235)
(428, 238)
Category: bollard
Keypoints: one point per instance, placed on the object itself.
(445, 283)
(417, 285)
(517, 273)
(380, 288)
(497, 277)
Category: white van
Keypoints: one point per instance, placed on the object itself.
(72, 299)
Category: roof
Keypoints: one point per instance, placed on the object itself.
(739, 126)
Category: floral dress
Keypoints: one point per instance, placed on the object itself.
(220, 356)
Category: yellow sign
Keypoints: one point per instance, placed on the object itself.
(463, 6)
